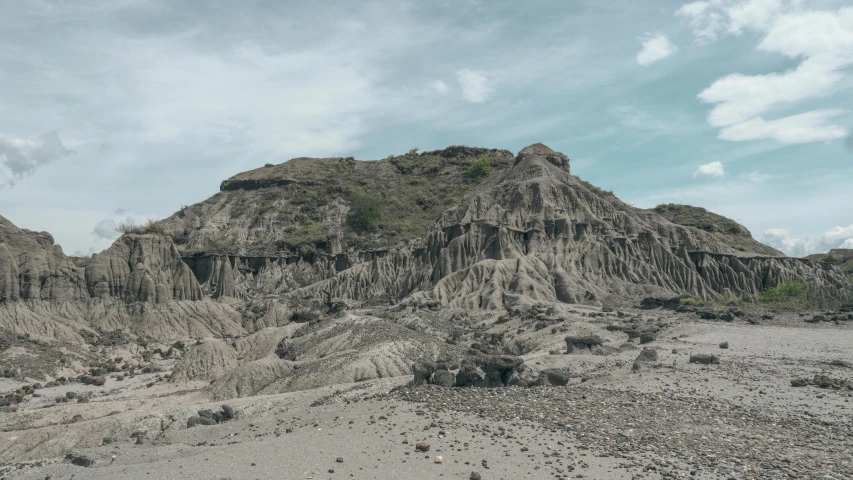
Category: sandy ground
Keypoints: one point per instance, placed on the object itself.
(375, 437)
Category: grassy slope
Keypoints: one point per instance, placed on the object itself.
(840, 257)
(295, 207)
(728, 231)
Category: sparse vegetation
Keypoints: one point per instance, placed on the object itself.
(388, 201)
(691, 301)
(795, 294)
(725, 229)
(304, 239)
(480, 167)
(150, 226)
(365, 212)
(268, 165)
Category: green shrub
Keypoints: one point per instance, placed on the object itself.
(795, 294)
(268, 165)
(480, 167)
(691, 301)
(304, 239)
(365, 214)
(831, 260)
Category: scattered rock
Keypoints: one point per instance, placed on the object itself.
(444, 378)
(724, 345)
(199, 420)
(704, 359)
(80, 460)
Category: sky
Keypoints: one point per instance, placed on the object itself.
(124, 110)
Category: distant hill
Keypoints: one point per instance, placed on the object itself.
(839, 257)
(332, 205)
(727, 230)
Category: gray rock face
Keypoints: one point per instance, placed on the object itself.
(582, 343)
(145, 268)
(32, 267)
(444, 378)
(207, 361)
(136, 268)
(534, 232)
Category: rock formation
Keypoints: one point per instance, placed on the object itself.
(534, 232)
(32, 267)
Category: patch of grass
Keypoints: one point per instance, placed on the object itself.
(305, 239)
(692, 301)
(796, 294)
(150, 226)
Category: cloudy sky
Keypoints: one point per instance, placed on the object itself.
(117, 109)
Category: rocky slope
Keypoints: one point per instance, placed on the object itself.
(725, 229)
(139, 284)
(331, 205)
(530, 231)
(838, 257)
(145, 268)
(534, 232)
(527, 236)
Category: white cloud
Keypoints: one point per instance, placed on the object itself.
(822, 40)
(655, 47)
(710, 18)
(439, 87)
(755, 176)
(475, 85)
(106, 228)
(752, 15)
(739, 98)
(20, 157)
(802, 128)
(710, 170)
(705, 23)
(784, 240)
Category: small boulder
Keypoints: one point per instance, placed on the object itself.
(704, 359)
(557, 377)
(422, 447)
(80, 460)
(800, 382)
(444, 378)
(422, 371)
(469, 376)
(199, 420)
(647, 355)
(647, 337)
(582, 343)
(724, 345)
(227, 413)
